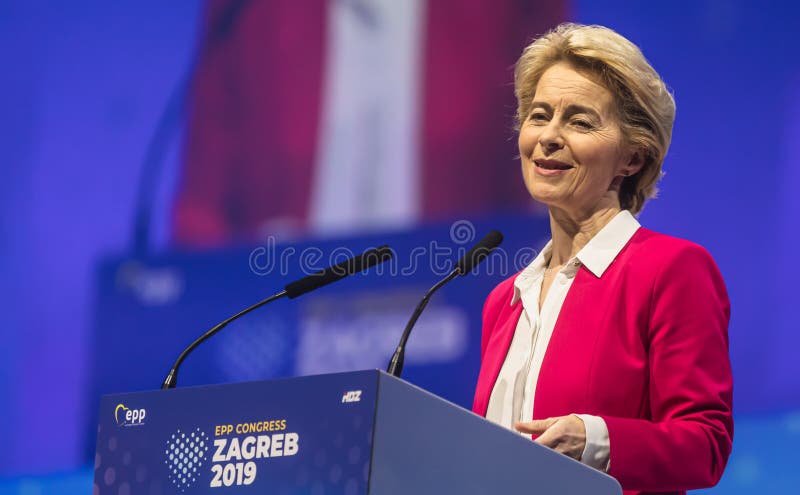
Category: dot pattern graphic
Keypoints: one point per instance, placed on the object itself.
(185, 454)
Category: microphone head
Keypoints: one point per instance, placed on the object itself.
(339, 271)
(479, 252)
(363, 261)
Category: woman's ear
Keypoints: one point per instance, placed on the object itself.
(635, 162)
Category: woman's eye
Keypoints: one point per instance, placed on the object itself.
(538, 117)
(583, 124)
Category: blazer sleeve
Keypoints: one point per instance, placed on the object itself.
(686, 442)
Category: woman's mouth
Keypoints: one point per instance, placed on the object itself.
(551, 167)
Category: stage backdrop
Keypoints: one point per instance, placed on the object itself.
(85, 83)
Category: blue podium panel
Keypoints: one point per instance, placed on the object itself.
(352, 433)
(291, 436)
(424, 444)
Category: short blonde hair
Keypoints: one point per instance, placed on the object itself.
(645, 107)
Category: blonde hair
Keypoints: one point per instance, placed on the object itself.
(645, 107)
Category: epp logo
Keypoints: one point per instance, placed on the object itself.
(351, 396)
(125, 416)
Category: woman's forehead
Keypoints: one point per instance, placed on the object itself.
(561, 85)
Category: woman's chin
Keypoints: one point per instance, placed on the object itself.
(546, 196)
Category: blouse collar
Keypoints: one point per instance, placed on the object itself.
(597, 255)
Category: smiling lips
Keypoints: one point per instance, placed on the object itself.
(551, 167)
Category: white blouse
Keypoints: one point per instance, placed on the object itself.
(514, 391)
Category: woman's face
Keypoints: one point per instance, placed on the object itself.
(571, 144)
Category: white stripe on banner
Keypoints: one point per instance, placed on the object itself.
(367, 166)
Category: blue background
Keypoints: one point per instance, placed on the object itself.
(84, 82)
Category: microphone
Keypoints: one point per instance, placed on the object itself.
(474, 256)
(479, 252)
(339, 271)
(295, 289)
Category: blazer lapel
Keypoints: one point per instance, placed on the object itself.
(496, 352)
(563, 379)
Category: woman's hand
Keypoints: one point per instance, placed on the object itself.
(564, 434)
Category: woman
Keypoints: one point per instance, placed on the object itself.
(636, 379)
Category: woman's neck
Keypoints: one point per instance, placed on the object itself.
(572, 232)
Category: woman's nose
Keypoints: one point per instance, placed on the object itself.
(550, 139)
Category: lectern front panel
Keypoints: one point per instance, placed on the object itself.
(280, 437)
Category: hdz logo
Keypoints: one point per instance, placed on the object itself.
(351, 396)
(125, 416)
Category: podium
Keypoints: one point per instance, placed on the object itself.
(354, 433)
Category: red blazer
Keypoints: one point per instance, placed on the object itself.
(645, 347)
